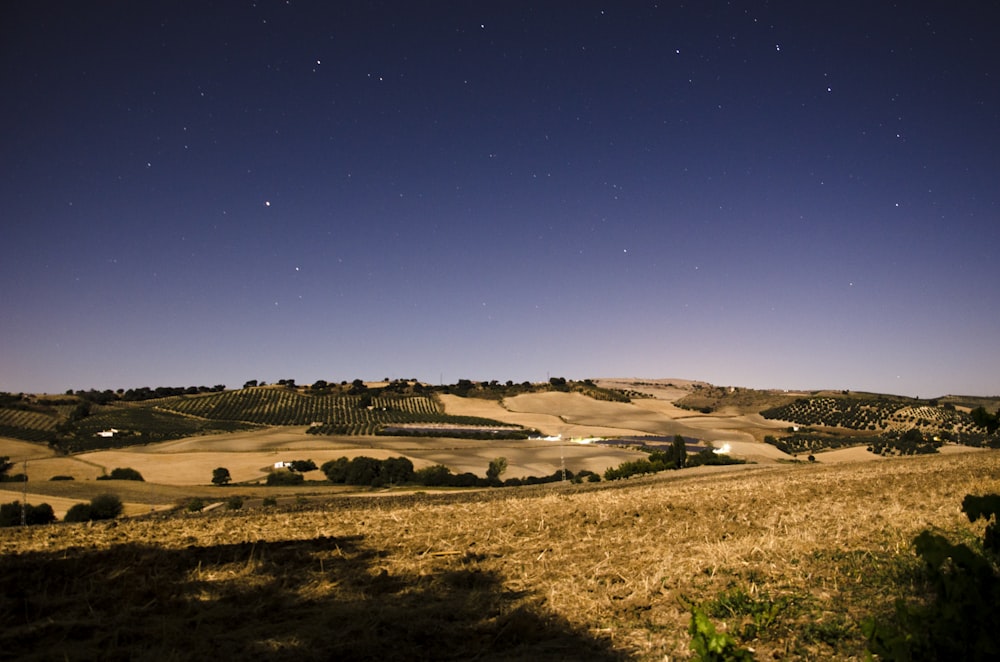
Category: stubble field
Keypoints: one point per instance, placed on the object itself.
(605, 571)
(788, 557)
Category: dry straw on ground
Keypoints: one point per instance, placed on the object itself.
(603, 571)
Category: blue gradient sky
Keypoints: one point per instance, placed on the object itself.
(789, 195)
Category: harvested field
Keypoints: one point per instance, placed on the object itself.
(602, 572)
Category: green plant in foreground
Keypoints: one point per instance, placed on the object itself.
(960, 621)
(762, 611)
(711, 646)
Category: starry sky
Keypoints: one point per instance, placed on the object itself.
(764, 194)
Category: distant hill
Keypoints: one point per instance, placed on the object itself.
(87, 420)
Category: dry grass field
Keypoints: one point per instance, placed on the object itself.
(788, 557)
(800, 552)
(177, 470)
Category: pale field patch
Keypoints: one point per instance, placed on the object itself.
(550, 424)
(18, 451)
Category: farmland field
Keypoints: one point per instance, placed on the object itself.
(179, 468)
(607, 570)
(603, 572)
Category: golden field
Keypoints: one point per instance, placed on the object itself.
(563, 571)
(603, 571)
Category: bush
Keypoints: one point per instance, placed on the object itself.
(303, 466)
(105, 506)
(234, 503)
(269, 502)
(79, 512)
(10, 514)
(60, 477)
(195, 504)
(220, 476)
(285, 478)
(961, 621)
(120, 473)
(433, 476)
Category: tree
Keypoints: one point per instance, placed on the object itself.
(363, 470)
(5, 466)
(678, 452)
(284, 478)
(396, 470)
(105, 506)
(79, 512)
(302, 466)
(433, 476)
(221, 476)
(498, 465)
(122, 473)
(10, 514)
(336, 470)
(985, 419)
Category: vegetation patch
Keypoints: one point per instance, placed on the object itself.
(888, 414)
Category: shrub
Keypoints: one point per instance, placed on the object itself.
(105, 506)
(284, 478)
(269, 502)
(303, 466)
(10, 514)
(220, 476)
(79, 512)
(61, 477)
(195, 504)
(122, 473)
(234, 503)
(433, 476)
(961, 621)
(708, 644)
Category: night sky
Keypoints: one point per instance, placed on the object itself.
(776, 195)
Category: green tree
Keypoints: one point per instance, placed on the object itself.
(303, 466)
(79, 512)
(105, 506)
(985, 419)
(678, 452)
(284, 478)
(498, 465)
(10, 514)
(433, 476)
(336, 470)
(122, 473)
(397, 470)
(220, 476)
(363, 471)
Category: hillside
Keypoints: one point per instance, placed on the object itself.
(604, 572)
(92, 420)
